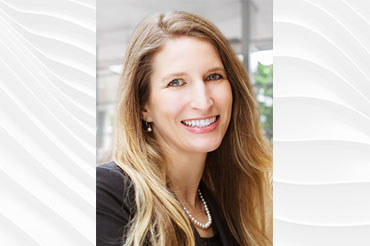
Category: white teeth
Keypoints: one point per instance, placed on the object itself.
(200, 123)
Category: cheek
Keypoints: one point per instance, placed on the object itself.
(224, 95)
(167, 106)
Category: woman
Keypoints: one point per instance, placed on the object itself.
(191, 166)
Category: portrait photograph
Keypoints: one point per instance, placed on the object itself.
(184, 123)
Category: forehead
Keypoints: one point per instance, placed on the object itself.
(184, 54)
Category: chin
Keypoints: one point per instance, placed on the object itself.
(207, 147)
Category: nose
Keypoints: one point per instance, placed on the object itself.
(201, 96)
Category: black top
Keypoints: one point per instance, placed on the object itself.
(115, 206)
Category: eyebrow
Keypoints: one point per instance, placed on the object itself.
(172, 75)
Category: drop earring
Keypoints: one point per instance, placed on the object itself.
(148, 125)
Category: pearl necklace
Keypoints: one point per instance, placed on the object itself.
(196, 222)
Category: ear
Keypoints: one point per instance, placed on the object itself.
(145, 115)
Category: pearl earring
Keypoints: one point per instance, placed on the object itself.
(148, 125)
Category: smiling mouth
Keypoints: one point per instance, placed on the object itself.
(200, 123)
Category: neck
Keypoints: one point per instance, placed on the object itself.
(185, 172)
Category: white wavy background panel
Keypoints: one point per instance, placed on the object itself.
(332, 58)
(320, 204)
(308, 118)
(326, 162)
(45, 85)
(10, 231)
(306, 20)
(303, 81)
(31, 101)
(47, 123)
(287, 233)
(74, 95)
(321, 122)
(65, 31)
(54, 51)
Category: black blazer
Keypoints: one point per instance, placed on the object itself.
(115, 206)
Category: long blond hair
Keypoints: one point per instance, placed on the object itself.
(239, 170)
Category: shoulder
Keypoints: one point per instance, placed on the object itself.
(111, 179)
(110, 171)
(115, 204)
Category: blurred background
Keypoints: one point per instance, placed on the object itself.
(247, 25)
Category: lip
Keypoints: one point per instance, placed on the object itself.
(202, 130)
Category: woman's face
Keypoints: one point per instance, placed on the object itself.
(190, 100)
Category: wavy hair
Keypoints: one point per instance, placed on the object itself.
(239, 171)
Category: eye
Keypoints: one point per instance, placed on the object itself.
(214, 76)
(176, 83)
